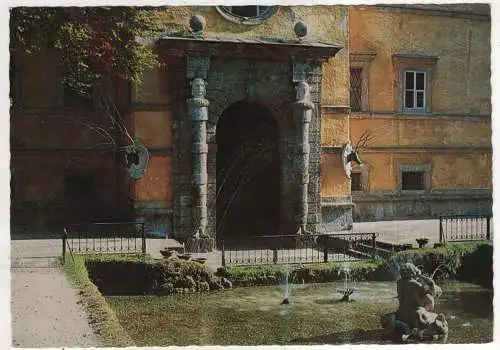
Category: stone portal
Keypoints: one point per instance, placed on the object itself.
(246, 137)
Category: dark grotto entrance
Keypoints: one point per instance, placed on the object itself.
(248, 171)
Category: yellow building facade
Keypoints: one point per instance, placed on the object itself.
(427, 157)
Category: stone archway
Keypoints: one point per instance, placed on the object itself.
(248, 171)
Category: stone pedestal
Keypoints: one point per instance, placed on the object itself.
(199, 245)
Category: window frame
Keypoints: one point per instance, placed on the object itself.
(362, 60)
(364, 171)
(415, 109)
(424, 168)
(403, 62)
(360, 181)
(361, 88)
(225, 11)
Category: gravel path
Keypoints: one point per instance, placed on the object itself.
(44, 306)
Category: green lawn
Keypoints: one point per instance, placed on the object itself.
(253, 316)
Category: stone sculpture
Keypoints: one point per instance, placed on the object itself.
(198, 88)
(303, 115)
(198, 114)
(415, 319)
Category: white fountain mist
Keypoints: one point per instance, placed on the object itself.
(348, 290)
(286, 286)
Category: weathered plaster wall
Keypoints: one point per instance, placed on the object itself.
(334, 133)
(57, 130)
(156, 184)
(449, 171)
(334, 182)
(334, 129)
(39, 197)
(461, 78)
(458, 149)
(423, 132)
(324, 22)
(152, 123)
(38, 87)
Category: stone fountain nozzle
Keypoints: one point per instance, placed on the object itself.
(347, 294)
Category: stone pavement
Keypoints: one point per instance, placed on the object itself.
(44, 306)
(402, 231)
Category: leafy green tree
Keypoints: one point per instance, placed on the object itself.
(95, 44)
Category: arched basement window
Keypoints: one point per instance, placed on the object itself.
(247, 14)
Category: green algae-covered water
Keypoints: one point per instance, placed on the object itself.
(254, 316)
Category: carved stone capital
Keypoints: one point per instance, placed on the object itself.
(198, 102)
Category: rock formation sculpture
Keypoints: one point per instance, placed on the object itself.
(415, 318)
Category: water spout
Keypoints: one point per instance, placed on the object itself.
(348, 290)
(286, 287)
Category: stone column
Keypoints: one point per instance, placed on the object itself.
(303, 109)
(198, 115)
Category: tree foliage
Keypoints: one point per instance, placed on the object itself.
(95, 44)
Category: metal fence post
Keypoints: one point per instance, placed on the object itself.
(64, 246)
(143, 239)
(223, 254)
(441, 232)
(488, 228)
(325, 249)
(374, 245)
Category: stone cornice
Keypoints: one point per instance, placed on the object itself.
(362, 56)
(415, 58)
(436, 116)
(420, 149)
(439, 195)
(245, 48)
(336, 109)
(432, 10)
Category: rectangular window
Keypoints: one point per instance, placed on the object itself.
(356, 182)
(413, 180)
(414, 90)
(356, 89)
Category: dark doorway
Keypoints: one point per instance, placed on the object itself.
(248, 171)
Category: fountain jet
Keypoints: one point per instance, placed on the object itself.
(287, 288)
(347, 291)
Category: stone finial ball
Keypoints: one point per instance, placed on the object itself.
(300, 29)
(197, 23)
